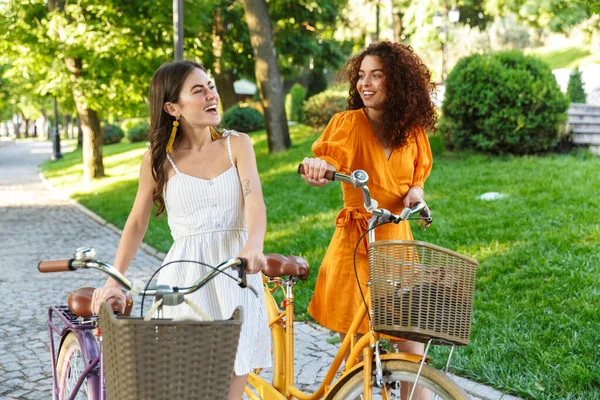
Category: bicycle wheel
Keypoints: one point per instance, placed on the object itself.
(399, 377)
(69, 367)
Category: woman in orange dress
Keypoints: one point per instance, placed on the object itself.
(383, 132)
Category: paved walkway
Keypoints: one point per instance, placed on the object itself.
(37, 223)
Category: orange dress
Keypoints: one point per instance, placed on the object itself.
(349, 143)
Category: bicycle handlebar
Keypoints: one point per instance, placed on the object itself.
(85, 258)
(360, 178)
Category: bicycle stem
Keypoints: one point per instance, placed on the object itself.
(359, 179)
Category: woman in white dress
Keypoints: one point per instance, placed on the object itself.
(209, 184)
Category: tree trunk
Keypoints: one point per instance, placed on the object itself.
(66, 122)
(79, 134)
(224, 78)
(17, 126)
(224, 82)
(267, 74)
(45, 125)
(92, 144)
(397, 26)
(90, 126)
(26, 130)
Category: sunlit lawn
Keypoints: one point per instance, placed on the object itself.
(536, 326)
(567, 57)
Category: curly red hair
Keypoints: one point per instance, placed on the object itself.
(408, 107)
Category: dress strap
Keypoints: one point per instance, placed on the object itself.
(172, 163)
(228, 133)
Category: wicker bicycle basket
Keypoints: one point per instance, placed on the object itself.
(164, 359)
(420, 291)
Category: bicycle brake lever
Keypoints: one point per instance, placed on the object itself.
(137, 287)
(241, 269)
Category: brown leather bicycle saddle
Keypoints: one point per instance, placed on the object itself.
(279, 265)
(80, 302)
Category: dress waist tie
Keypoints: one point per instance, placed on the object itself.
(353, 224)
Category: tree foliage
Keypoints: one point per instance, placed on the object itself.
(116, 46)
(557, 15)
(575, 90)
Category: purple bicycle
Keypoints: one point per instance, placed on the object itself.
(78, 367)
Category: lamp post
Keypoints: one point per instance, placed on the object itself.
(377, 17)
(178, 28)
(440, 21)
(56, 135)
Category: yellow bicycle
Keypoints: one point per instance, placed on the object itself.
(417, 291)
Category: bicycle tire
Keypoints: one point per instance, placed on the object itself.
(397, 373)
(69, 367)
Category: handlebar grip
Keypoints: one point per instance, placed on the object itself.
(329, 175)
(116, 305)
(423, 212)
(242, 271)
(425, 215)
(56, 265)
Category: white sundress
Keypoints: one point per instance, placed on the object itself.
(207, 222)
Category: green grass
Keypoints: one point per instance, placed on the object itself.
(536, 325)
(567, 57)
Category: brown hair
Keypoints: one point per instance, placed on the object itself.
(166, 85)
(408, 107)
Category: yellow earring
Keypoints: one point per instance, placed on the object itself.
(172, 137)
(214, 135)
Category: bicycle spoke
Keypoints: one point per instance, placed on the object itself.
(76, 367)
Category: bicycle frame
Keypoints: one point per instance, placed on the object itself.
(90, 349)
(282, 327)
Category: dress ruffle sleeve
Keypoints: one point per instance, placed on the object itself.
(423, 159)
(337, 143)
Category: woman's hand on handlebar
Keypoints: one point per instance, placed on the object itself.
(413, 197)
(314, 171)
(256, 260)
(104, 293)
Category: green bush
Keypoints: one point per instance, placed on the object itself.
(436, 142)
(575, 88)
(243, 119)
(136, 129)
(293, 102)
(318, 110)
(503, 103)
(111, 134)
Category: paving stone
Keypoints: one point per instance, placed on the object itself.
(14, 382)
(18, 394)
(14, 374)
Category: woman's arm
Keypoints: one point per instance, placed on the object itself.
(255, 210)
(133, 233)
(333, 150)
